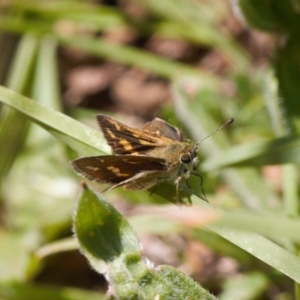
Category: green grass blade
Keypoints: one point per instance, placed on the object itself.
(290, 190)
(265, 250)
(274, 226)
(200, 29)
(14, 126)
(78, 136)
(137, 58)
(258, 153)
(257, 245)
(46, 79)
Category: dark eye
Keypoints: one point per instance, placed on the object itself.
(185, 158)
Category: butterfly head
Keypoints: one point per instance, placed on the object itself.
(190, 159)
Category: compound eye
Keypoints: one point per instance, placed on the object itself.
(185, 158)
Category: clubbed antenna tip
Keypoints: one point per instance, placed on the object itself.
(228, 122)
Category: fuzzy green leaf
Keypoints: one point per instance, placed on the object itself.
(112, 248)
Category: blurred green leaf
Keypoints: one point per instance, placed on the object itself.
(86, 13)
(13, 125)
(248, 286)
(194, 24)
(20, 291)
(46, 87)
(288, 72)
(15, 258)
(257, 153)
(138, 58)
(290, 190)
(259, 14)
(272, 15)
(127, 55)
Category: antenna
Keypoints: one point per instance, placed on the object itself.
(228, 122)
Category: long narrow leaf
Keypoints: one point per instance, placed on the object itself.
(80, 137)
(259, 153)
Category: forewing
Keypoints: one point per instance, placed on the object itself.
(126, 140)
(115, 169)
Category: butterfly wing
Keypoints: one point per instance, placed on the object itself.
(126, 140)
(118, 169)
(161, 127)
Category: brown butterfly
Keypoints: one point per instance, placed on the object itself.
(142, 158)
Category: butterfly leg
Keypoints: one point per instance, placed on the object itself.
(201, 184)
(178, 181)
(185, 175)
(187, 183)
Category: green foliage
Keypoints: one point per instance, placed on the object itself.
(113, 249)
(260, 247)
(256, 223)
(272, 15)
(288, 72)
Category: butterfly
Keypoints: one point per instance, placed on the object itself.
(142, 158)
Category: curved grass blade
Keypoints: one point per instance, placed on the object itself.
(78, 136)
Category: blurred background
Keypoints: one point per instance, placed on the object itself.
(194, 63)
